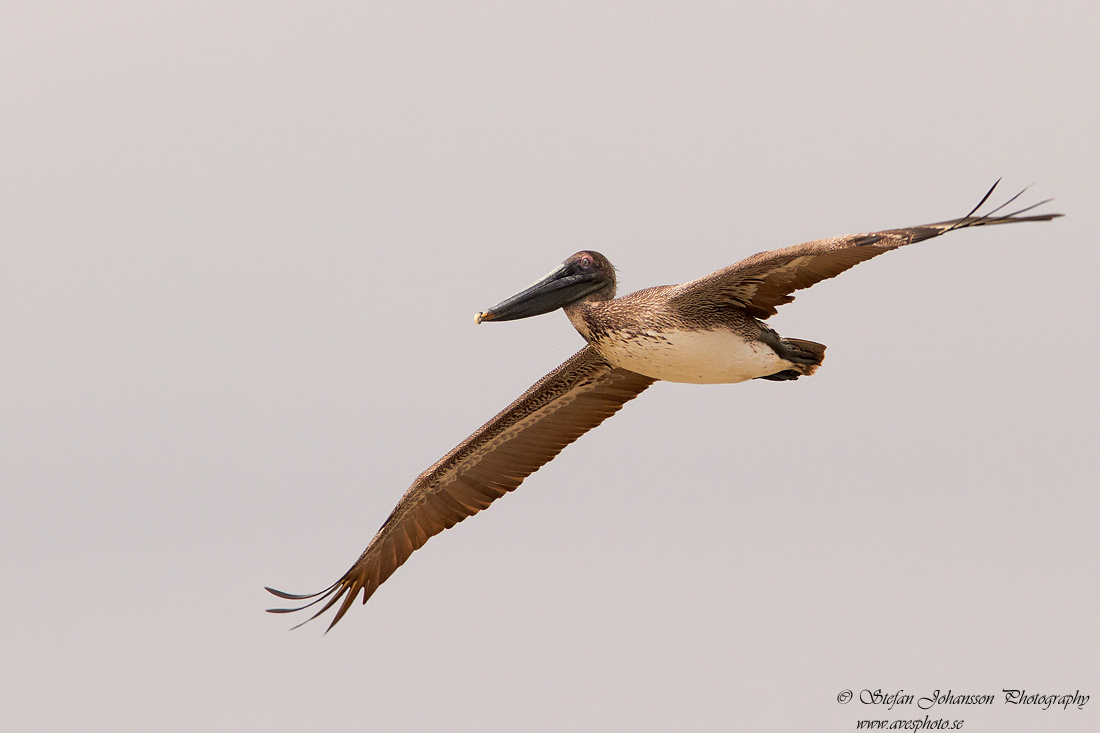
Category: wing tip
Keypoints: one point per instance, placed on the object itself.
(973, 219)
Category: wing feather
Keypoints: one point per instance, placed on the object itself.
(764, 281)
(566, 403)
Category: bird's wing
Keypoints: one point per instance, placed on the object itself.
(562, 406)
(760, 283)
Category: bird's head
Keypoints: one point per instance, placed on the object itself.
(585, 275)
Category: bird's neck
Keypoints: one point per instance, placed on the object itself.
(582, 314)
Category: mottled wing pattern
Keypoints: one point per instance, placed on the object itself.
(764, 281)
(566, 403)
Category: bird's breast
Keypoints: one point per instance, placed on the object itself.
(717, 356)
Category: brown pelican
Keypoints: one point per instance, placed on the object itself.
(705, 331)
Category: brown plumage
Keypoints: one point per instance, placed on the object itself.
(593, 384)
(764, 281)
(561, 407)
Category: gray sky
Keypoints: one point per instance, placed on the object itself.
(241, 246)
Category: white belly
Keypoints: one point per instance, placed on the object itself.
(699, 357)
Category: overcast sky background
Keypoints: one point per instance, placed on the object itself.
(241, 247)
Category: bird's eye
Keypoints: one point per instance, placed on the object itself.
(586, 261)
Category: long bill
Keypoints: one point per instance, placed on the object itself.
(557, 290)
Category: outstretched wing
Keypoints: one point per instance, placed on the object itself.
(562, 406)
(764, 281)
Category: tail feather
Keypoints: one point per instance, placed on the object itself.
(809, 350)
(808, 356)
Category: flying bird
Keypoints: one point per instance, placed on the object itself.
(707, 331)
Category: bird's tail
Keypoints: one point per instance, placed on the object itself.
(811, 351)
(807, 356)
